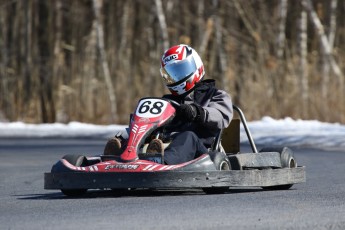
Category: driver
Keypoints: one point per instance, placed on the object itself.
(204, 110)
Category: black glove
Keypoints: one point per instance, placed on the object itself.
(191, 112)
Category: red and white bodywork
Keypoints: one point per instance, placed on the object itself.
(150, 114)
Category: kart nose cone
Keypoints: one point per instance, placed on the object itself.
(130, 154)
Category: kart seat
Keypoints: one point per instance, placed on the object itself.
(231, 135)
(228, 139)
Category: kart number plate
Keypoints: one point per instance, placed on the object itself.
(148, 108)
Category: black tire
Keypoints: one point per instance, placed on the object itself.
(76, 160)
(222, 163)
(119, 191)
(287, 160)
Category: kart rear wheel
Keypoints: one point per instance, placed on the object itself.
(287, 160)
(76, 160)
(222, 163)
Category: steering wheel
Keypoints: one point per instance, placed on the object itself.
(174, 124)
(173, 103)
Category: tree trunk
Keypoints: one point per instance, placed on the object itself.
(162, 23)
(327, 52)
(307, 4)
(332, 22)
(5, 103)
(303, 65)
(58, 60)
(46, 78)
(28, 52)
(281, 28)
(220, 48)
(325, 61)
(97, 5)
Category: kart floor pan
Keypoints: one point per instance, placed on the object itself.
(175, 179)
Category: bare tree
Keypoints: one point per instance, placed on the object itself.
(325, 61)
(58, 60)
(303, 65)
(328, 57)
(58, 57)
(124, 24)
(162, 23)
(247, 23)
(97, 5)
(200, 21)
(281, 28)
(207, 34)
(5, 103)
(307, 4)
(28, 51)
(89, 72)
(332, 22)
(220, 47)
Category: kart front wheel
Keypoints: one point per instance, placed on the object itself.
(76, 160)
(222, 163)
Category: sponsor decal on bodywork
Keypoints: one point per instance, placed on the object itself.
(122, 166)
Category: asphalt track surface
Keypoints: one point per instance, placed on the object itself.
(24, 204)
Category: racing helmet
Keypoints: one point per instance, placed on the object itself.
(181, 68)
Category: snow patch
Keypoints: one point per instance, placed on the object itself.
(267, 131)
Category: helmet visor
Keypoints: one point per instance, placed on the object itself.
(177, 71)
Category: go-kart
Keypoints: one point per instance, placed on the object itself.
(223, 166)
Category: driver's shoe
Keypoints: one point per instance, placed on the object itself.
(155, 146)
(113, 147)
(155, 151)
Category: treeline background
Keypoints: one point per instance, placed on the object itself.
(91, 60)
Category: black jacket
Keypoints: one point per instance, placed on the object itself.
(218, 109)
